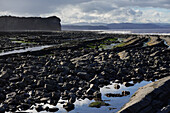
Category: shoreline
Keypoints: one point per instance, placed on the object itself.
(76, 68)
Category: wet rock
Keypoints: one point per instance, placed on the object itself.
(113, 95)
(98, 104)
(54, 109)
(39, 108)
(97, 94)
(125, 93)
(145, 99)
(92, 89)
(72, 98)
(127, 84)
(44, 100)
(116, 86)
(68, 106)
(25, 106)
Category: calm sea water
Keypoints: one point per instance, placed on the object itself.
(139, 31)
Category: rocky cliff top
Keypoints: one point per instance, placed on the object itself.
(29, 23)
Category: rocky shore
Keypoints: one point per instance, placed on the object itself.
(152, 98)
(75, 67)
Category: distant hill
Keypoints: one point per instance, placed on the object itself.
(116, 26)
(29, 23)
(132, 26)
(83, 27)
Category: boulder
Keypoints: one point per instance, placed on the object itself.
(150, 98)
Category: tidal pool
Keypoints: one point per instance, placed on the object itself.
(82, 106)
(25, 50)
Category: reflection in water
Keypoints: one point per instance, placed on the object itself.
(25, 50)
(81, 106)
(115, 103)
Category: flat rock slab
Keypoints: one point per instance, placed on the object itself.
(123, 55)
(150, 98)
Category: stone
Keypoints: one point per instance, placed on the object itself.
(54, 109)
(39, 108)
(83, 75)
(125, 93)
(144, 97)
(127, 84)
(116, 86)
(91, 90)
(11, 95)
(2, 96)
(49, 87)
(98, 104)
(25, 106)
(72, 98)
(97, 94)
(68, 106)
(4, 75)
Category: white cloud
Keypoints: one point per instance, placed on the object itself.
(74, 11)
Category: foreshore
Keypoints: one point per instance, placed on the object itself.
(73, 65)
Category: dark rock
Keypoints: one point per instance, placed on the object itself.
(40, 83)
(92, 89)
(11, 95)
(116, 86)
(25, 106)
(68, 106)
(127, 84)
(29, 23)
(83, 75)
(39, 108)
(2, 96)
(54, 109)
(72, 98)
(49, 87)
(2, 110)
(4, 75)
(97, 94)
(113, 95)
(125, 93)
(14, 79)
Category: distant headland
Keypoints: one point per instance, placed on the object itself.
(13, 23)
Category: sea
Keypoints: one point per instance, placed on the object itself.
(131, 31)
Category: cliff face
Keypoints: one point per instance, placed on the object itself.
(29, 23)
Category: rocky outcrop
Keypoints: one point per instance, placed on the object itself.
(152, 98)
(29, 23)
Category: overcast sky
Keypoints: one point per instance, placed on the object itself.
(91, 11)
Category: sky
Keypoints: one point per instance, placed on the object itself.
(91, 11)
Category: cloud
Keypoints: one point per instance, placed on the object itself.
(73, 11)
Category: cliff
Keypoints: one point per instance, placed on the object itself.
(29, 23)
